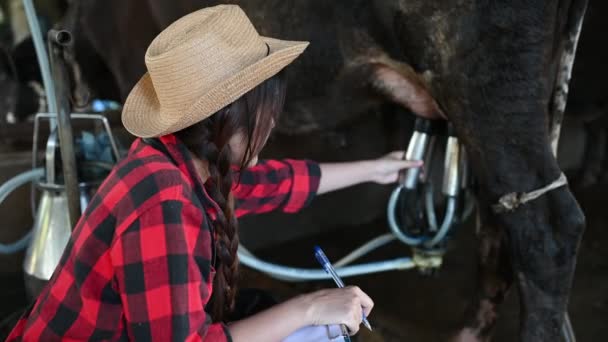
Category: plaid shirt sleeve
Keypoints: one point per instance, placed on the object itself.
(288, 185)
(162, 266)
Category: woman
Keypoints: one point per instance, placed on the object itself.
(154, 257)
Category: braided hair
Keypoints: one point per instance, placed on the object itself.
(252, 116)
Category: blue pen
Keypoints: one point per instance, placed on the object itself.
(329, 268)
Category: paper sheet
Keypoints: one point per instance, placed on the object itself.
(321, 333)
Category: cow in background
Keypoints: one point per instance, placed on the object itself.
(490, 67)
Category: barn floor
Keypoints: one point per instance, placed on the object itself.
(410, 307)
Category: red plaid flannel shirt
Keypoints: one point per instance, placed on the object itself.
(139, 264)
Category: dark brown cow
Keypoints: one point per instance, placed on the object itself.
(491, 66)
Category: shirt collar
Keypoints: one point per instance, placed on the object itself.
(180, 154)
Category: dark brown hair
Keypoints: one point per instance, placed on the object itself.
(252, 115)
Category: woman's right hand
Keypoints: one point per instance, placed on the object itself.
(339, 306)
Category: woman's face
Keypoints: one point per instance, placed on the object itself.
(238, 146)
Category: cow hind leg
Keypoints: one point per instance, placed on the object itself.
(544, 238)
(535, 247)
(495, 277)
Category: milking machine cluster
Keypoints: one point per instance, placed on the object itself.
(422, 211)
(412, 208)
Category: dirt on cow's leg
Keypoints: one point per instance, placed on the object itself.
(494, 280)
(543, 252)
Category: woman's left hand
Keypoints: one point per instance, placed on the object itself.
(385, 170)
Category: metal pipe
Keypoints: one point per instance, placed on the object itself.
(106, 124)
(41, 55)
(60, 37)
(451, 167)
(451, 188)
(57, 41)
(416, 150)
(51, 150)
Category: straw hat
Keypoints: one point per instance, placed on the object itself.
(198, 65)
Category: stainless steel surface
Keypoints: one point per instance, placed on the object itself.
(74, 116)
(451, 168)
(57, 40)
(50, 158)
(106, 124)
(77, 116)
(415, 151)
(51, 230)
(51, 234)
(61, 37)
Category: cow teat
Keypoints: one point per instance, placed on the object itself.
(402, 85)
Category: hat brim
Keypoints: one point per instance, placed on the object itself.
(142, 114)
